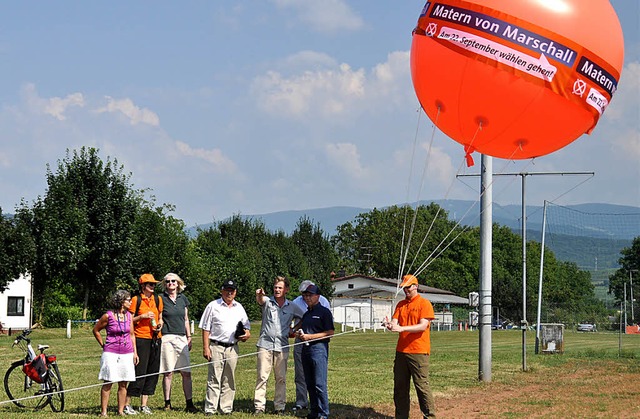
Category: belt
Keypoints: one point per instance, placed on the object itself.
(224, 344)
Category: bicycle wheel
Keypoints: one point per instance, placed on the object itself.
(18, 386)
(54, 382)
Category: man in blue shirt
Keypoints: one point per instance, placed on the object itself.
(302, 401)
(273, 344)
(315, 330)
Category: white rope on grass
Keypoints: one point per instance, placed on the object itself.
(164, 372)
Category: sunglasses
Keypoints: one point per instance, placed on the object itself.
(172, 281)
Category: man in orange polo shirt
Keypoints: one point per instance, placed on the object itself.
(412, 320)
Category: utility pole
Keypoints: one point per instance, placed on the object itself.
(486, 234)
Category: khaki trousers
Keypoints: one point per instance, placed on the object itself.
(277, 361)
(221, 383)
(405, 368)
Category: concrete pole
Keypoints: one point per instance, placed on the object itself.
(486, 225)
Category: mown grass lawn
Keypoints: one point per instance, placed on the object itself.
(360, 370)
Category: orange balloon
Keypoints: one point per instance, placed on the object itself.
(516, 79)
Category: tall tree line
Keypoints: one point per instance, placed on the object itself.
(92, 232)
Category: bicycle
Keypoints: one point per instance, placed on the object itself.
(29, 390)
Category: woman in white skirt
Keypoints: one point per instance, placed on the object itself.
(119, 355)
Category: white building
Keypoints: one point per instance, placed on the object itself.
(15, 304)
(362, 301)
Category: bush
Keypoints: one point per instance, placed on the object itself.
(57, 316)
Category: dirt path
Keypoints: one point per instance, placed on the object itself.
(601, 389)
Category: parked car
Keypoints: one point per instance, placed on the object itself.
(586, 327)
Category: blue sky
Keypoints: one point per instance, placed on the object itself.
(251, 107)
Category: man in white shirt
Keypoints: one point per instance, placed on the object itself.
(221, 319)
(302, 400)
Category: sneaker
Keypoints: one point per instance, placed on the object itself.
(145, 410)
(297, 408)
(258, 412)
(279, 412)
(128, 410)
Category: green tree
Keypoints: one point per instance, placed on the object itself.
(160, 242)
(448, 257)
(373, 242)
(81, 230)
(316, 249)
(629, 272)
(16, 250)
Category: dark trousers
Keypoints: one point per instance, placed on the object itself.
(405, 368)
(149, 356)
(315, 362)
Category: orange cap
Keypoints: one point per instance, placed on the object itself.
(408, 280)
(146, 278)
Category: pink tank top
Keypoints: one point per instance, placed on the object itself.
(118, 334)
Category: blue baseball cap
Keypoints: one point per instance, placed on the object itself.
(312, 289)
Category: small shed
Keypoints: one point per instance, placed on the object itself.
(363, 301)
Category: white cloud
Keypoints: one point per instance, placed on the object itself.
(304, 60)
(215, 157)
(322, 92)
(622, 118)
(328, 16)
(135, 114)
(345, 156)
(333, 91)
(624, 103)
(54, 106)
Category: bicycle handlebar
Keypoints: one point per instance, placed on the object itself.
(22, 336)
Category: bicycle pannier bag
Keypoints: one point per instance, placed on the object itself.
(36, 369)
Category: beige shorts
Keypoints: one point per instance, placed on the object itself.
(174, 354)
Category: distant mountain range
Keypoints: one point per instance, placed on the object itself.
(590, 235)
(467, 213)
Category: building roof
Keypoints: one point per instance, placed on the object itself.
(388, 288)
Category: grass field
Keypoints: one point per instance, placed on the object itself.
(597, 373)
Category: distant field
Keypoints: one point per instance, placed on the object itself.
(361, 380)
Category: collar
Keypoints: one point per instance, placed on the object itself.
(224, 304)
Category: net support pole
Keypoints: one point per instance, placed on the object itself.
(538, 318)
(486, 225)
(523, 322)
